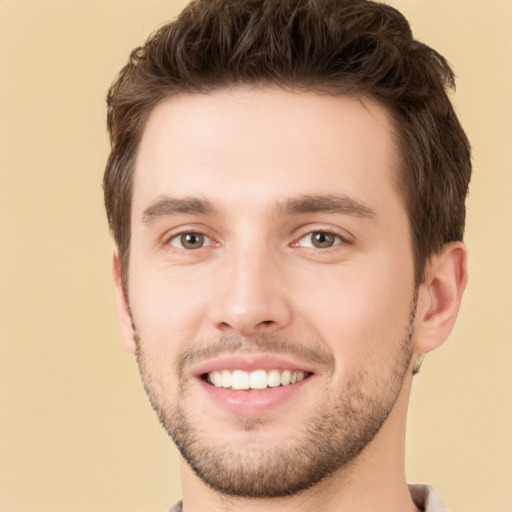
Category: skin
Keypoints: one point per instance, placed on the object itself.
(251, 155)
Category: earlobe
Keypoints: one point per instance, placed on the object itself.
(440, 297)
(123, 310)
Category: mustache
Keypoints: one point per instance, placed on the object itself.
(266, 342)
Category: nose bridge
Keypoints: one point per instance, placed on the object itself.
(252, 297)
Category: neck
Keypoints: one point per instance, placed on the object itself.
(374, 481)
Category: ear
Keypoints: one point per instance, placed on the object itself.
(439, 297)
(123, 309)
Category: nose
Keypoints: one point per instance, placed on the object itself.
(252, 297)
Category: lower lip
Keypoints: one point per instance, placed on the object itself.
(253, 401)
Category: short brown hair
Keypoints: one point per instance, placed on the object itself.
(355, 47)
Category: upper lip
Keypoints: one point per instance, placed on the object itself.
(251, 362)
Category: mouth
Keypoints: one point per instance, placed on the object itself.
(253, 384)
(241, 380)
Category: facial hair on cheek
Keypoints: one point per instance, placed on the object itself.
(339, 427)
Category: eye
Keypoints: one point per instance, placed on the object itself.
(319, 240)
(190, 241)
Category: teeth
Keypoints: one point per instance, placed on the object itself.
(274, 378)
(227, 379)
(286, 378)
(216, 378)
(258, 379)
(240, 380)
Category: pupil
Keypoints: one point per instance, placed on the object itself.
(192, 240)
(322, 239)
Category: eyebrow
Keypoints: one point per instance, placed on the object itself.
(168, 206)
(333, 203)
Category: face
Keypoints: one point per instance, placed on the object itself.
(271, 283)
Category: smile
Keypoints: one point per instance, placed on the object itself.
(257, 379)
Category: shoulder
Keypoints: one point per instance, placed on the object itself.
(177, 507)
(426, 498)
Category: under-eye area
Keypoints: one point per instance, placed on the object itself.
(255, 380)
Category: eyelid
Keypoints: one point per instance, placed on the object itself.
(206, 239)
(302, 241)
(344, 236)
(177, 232)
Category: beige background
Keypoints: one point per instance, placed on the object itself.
(76, 431)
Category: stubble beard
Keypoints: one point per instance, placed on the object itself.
(335, 432)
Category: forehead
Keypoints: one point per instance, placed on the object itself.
(265, 143)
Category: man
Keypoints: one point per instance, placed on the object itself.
(286, 192)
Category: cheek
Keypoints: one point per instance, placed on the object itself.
(360, 313)
(167, 312)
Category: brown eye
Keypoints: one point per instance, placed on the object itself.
(189, 241)
(319, 240)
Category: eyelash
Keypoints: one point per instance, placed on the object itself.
(177, 240)
(337, 239)
(179, 237)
